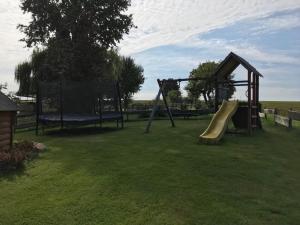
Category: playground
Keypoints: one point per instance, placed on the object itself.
(165, 177)
(149, 112)
(233, 163)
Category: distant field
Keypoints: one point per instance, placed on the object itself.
(282, 107)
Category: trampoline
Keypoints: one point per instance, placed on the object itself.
(69, 118)
(78, 103)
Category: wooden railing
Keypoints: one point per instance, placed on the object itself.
(283, 117)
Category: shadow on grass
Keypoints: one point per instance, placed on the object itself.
(80, 131)
(12, 173)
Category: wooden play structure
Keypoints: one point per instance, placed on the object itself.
(161, 92)
(246, 115)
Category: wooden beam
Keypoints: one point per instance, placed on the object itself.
(161, 86)
(249, 104)
(216, 95)
(185, 79)
(233, 82)
(155, 107)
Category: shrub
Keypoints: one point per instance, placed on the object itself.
(16, 156)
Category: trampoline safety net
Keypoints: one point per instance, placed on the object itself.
(78, 101)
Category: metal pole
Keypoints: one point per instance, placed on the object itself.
(120, 104)
(61, 106)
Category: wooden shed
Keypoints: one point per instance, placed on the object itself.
(8, 110)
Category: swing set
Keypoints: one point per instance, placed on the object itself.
(246, 116)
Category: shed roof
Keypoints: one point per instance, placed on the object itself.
(7, 104)
(231, 62)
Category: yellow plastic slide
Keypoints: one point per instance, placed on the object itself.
(219, 122)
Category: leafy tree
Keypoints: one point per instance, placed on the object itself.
(206, 87)
(175, 96)
(131, 78)
(76, 33)
(23, 75)
(29, 72)
(115, 64)
(99, 23)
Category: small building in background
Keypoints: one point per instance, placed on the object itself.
(8, 111)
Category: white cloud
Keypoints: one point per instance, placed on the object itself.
(11, 50)
(164, 22)
(142, 95)
(160, 22)
(272, 24)
(250, 52)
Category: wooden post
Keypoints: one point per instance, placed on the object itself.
(37, 109)
(161, 86)
(153, 111)
(216, 95)
(254, 112)
(257, 89)
(249, 104)
(259, 124)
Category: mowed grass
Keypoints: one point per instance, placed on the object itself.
(165, 177)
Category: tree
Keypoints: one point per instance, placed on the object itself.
(131, 78)
(205, 87)
(29, 72)
(98, 23)
(115, 64)
(175, 96)
(76, 33)
(23, 75)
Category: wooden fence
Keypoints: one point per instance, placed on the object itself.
(286, 121)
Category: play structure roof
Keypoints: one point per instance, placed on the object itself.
(6, 104)
(231, 62)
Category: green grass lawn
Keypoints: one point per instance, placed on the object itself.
(165, 177)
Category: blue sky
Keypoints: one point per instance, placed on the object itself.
(174, 36)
